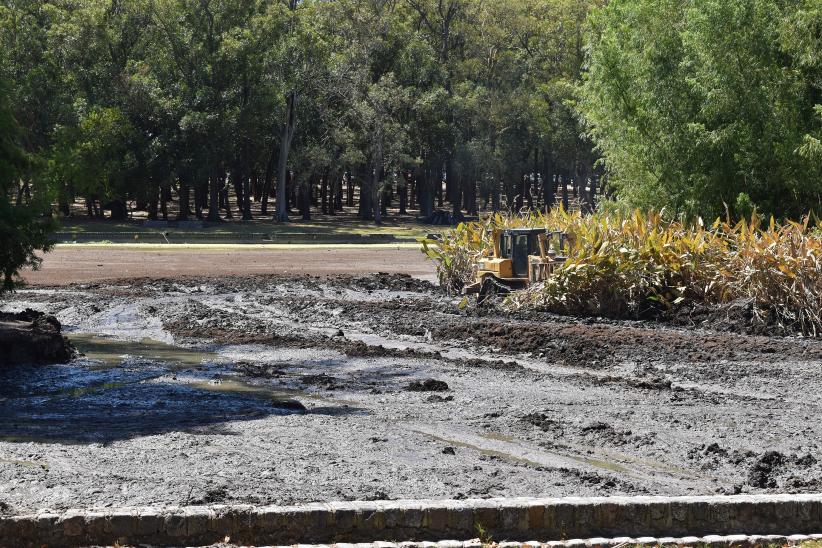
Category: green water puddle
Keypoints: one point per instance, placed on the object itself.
(112, 352)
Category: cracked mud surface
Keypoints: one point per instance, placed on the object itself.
(286, 390)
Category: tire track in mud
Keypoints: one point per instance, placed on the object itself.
(618, 466)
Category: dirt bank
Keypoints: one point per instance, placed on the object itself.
(293, 389)
(32, 338)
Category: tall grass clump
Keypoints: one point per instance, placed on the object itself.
(641, 265)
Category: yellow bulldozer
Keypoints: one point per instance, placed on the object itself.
(520, 256)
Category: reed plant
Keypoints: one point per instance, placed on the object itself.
(637, 265)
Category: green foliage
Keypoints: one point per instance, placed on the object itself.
(694, 103)
(23, 229)
(95, 155)
(688, 105)
(122, 99)
(455, 254)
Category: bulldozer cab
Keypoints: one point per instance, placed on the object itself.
(518, 244)
(520, 256)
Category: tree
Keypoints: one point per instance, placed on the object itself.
(699, 103)
(128, 102)
(289, 119)
(23, 228)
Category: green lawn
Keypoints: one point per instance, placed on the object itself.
(325, 230)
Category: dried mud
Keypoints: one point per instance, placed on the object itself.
(380, 386)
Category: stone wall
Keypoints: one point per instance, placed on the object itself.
(504, 519)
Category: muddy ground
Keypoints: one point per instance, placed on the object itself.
(288, 390)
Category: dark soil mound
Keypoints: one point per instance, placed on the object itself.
(761, 474)
(393, 282)
(31, 337)
(428, 385)
(739, 316)
(265, 283)
(593, 344)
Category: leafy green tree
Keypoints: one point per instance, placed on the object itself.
(23, 227)
(129, 102)
(698, 103)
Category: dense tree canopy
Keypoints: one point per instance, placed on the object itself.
(217, 105)
(701, 102)
(23, 230)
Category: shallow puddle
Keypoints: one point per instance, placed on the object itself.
(122, 389)
(112, 352)
(231, 386)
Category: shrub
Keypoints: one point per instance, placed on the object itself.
(456, 253)
(638, 265)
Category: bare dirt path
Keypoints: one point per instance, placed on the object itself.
(81, 264)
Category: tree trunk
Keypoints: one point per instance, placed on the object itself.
(184, 198)
(333, 181)
(198, 201)
(324, 193)
(386, 193)
(548, 183)
(286, 135)
(425, 190)
(592, 195)
(338, 193)
(366, 209)
(412, 191)
(245, 187)
(237, 178)
(200, 198)
(438, 186)
(63, 202)
(247, 198)
(214, 198)
(564, 187)
(164, 190)
(454, 184)
(575, 181)
(350, 189)
(256, 188)
(379, 195)
(529, 196)
(583, 186)
(20, 190)
(226, 203)
(495, 197)
(304, 198)
(471, 196)
(403, 192)
(153, 200)
(269, 175)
